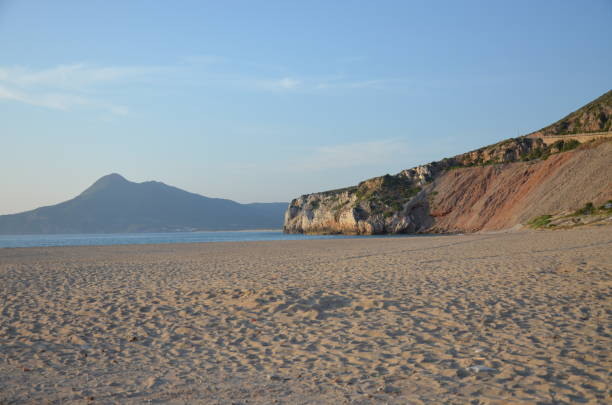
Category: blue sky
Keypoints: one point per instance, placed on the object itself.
(265, 101)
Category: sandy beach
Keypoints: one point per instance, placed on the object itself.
(522, 317)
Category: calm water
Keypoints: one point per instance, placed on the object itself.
(143, 238)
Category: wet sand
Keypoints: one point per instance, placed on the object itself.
(522, 317)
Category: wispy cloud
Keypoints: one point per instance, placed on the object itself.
(77, 76)
(81, 85)
(58, 101)
(257, 76)
(314, 84)
(282, 84)
(66, 87)
(351, 155)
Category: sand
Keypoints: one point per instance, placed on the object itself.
(520, 317)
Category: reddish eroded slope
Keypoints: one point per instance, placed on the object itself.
(502, 196)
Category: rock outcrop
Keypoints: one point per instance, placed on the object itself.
(494, 187)
(388, 204)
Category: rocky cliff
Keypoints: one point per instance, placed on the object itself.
(494, 187)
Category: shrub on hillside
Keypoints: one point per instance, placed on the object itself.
(564, 146)
(586, 210)
(541, 221)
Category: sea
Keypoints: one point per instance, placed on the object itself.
(12, 241)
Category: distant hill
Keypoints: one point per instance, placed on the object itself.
(115, 205)
(596, 116)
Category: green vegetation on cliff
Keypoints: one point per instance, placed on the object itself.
(596, 116)
(386, 189)
(588, 214)
(540, 222)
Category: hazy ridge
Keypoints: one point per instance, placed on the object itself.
(115, 205)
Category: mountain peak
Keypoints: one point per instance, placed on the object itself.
(112, 177)
(110, 180)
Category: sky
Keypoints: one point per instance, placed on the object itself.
(266, 101)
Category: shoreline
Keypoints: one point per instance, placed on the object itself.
(285, 237)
